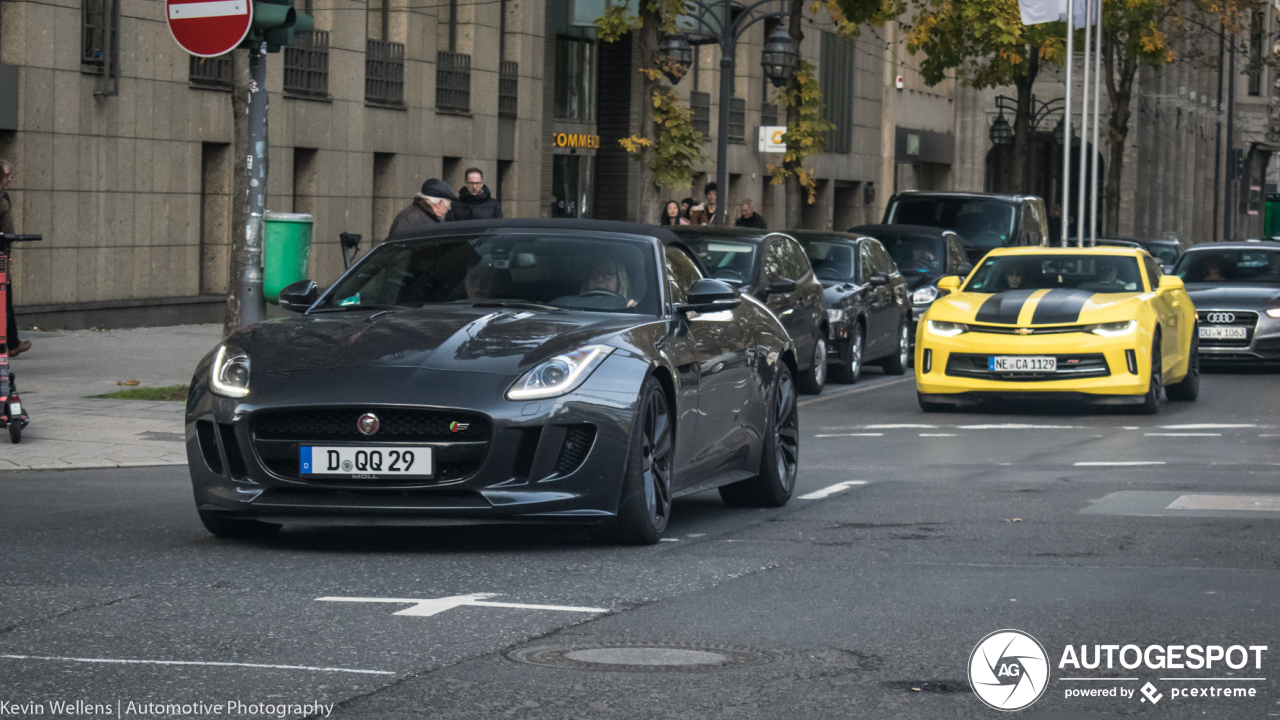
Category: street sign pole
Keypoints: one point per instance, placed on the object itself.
(252, 302)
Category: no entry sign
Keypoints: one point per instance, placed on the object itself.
(208, 28)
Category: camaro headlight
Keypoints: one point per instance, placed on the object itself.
(835, 315)
(230, 374)
(559, 375)
(947, 329)
(924, 295)
(1274, 312)
(1113, 329)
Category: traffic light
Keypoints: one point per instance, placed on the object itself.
(279, 23)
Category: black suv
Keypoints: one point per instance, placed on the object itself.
(984, 221)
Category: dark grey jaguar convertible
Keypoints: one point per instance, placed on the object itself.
(525, 371)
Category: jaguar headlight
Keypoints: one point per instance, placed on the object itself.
(1113, 329)
(924, 295)
(560, 375)
(230, 374)
(947, 329)
(835, 315)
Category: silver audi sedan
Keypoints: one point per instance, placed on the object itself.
(1236, 290)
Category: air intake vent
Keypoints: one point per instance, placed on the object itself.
(526, 452)
(577, 443)
(208, 445)
(231, 446)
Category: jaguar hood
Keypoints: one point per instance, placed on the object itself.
(1036, 307)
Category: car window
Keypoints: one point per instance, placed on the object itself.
(831, 261)
(984, 223)
(1153, 271)
(728, 260)
(865, 263)
(955, 256)
(1230, 266)
(796, 261)
(916, 254)
(1095, 273)
(681, 273)
(1031, 223)
(880, 260)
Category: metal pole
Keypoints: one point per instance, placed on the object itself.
(722, 133)
(1217, 141)
(252, 306)
(1066, 127)
(1097, 90)
(1228, 213)
(1082, 186)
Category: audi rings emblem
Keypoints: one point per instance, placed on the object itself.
(1220, 317)
(367, 424)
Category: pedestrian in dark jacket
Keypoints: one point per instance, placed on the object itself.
(15, 346)
(474, 200)
(429, 207)
(749, 218)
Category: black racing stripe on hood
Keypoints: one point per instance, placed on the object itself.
(1060, 306)
(1003, 308)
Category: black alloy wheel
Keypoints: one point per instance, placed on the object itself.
(896, 364)
(1188, 388)
(645, 505)
(850, 366)
(1151, 401)
(815, 379)
(780, 456)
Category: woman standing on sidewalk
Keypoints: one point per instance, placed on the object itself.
(16, 347)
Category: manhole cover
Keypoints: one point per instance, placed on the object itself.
(642, 657)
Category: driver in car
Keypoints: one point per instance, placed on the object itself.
(479, 283)
(607, 276)
(1107, 276)
(922, 258)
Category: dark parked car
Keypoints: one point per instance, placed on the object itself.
(774, 269)
(984, 221)
(1235, 287)
(924, 255)
(867, 303)
(524, 371)
(1166, 251)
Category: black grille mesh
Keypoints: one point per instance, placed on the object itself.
(317, 424)
(526, 452)
(208, 445)
(577, 443)
(231, 447)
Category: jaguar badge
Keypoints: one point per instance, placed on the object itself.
(367, 424)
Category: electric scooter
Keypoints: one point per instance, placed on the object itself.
(12, 415)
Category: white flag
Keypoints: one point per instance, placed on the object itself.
(1035, 12)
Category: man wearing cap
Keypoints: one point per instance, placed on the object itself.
(428, 207)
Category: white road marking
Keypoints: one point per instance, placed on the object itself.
(1183, 434)
(697, 535)
(894, 427)
(1269, 503)
(853, 435)
(217, 8)
(854, 390)
(196, 662)
(668, 539)
(1125, 463)
(1126, 427)
(435, 606)
(937, 434)
(1206, 426)
(832, 490)
(1019, 426)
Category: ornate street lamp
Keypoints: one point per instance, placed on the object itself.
(676, 49)
(1001, 132)
(780, 57)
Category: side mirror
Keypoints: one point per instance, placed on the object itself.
(1171, 282)
(782, 286)
(964, 269)
(710, 295)
(300, 296)
(950, 283)
(878, 279)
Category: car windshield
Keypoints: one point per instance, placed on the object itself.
(982, 222)
(1095, 273)
(1230, 266)
(916, 254)
(1164, 254)
(603, 274)
(728, 260)
(831, 261)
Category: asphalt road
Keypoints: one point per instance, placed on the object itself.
(920, 535)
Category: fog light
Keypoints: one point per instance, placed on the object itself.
(1131, 359)
(928, 361)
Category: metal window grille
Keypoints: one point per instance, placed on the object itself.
(737, 120)
(700, 103)
(384, 72)
(306, 65)
(837, 63)
(508, 88)
(100, 31)
(768, 114)
(453, 82)
(216, 71)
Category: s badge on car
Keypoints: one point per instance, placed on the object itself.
(367, 424)
(458, 427)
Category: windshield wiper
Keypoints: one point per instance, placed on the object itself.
(338, 308)
(516, 305)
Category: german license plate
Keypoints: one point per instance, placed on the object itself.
(1223, 333)
(346, 460)
(1022, 363)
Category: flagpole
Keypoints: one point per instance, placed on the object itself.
(1097, 89)
(1066, 127)
(1082, 186)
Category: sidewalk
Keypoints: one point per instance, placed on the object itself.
(70, 430)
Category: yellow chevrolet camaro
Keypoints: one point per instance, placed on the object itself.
(1101, 325)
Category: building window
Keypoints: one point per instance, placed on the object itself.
(101, 22)
(571, 183)
(836, 68)
(508, 88)
(575, 79)
(306, 65)
(1255, 55)
(453, 82)
(378, 20)
(384, 72)
(737, 120)
(768, 108)
(212, 72)
(700, 103)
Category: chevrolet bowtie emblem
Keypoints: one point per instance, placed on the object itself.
(1024, 331)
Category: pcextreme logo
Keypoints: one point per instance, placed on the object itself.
(1008, 670)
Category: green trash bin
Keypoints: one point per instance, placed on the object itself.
(1271, 221)
(285, 252)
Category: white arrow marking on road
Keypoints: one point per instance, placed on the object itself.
(435, 606)
(832, 490)
(1131, 462)
(217, 8)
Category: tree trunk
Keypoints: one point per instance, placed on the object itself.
(1022, 123)
(1120, 72)
(239, 186)
(646, 39)
(794, 193)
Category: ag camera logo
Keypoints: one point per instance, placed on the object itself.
(1009, 670)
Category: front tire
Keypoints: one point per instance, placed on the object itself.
(1151, 401)
(645, 505)
(850, 366)
(813, 381)
(236, 528)
(15, 432)
(897, 363)
(780, 457)
(1188, 388)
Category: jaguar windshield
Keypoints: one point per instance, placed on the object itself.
(533, 271)
(1095, 273)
